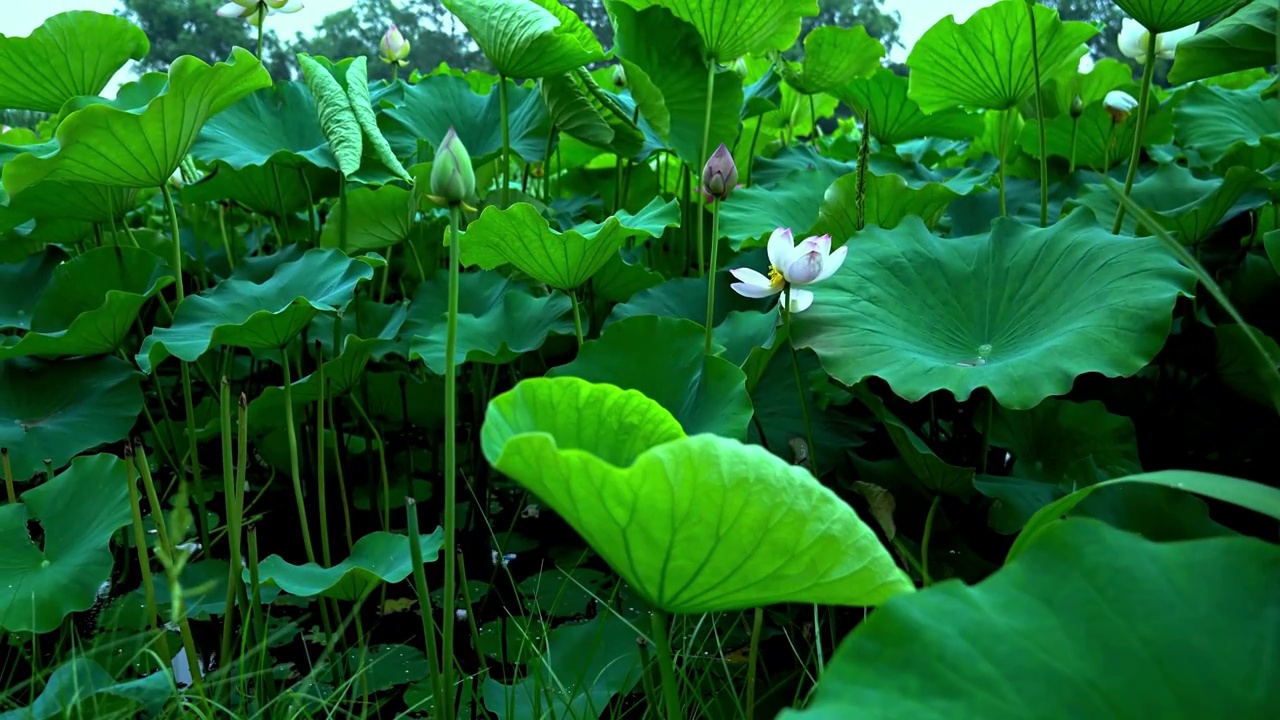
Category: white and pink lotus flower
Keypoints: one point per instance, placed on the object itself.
(791, 267)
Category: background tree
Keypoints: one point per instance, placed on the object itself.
(1103, 14)
(880, 25)
(186, 27)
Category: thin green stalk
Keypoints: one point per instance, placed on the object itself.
(801, 390)
(577, 316)
(706, 150)
(505, 119)
(1004, 152)
(140, 544)
(667, 666)
(646, 678)
(8, 476)
(294, 469)
(546, 167)
(177, 242)
(1075, 127)
(233, 499)
(382, 462)
(424, 600)
(451, 459)
(1106, 150)
(924, 541)
(711, 276)
(262, 20)
(226, 241)
(751, 152)
(320, 456)
(344, 217)
(753, 658)
(1144, 99)
(1040, 120)
(864, 159)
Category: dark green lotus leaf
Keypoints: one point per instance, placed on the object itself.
(71, 54)
(415, 127)
(889, 199)
(275, 125)
(341, 374)
(1244, 40)
(1081, 623)
(142, 148)
(379, 217)
(687, 298)
(1190, 208)
(87, 202)
(528, 38)
(519, 236)
(1100, 143)
(21, 283)
(1228, 127)
(730, 29)
(581, 109)
(204, 583)
(835, 57)
(56, 411)
(1243, 369)
(983, 62)
(498, 319)
(622, 277)
(379, 557)
(668, 51)
(39, 587)
(1161, 16)
(663, 358)
(1000, 314)
(751, 214)
(81, 687)
(896, 118)
(259, 316)
(275, 190)
(934, 474)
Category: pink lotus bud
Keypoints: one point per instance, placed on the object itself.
(393, 48)
(720, 174)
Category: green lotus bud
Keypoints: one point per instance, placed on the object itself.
(619, 77)
(393, 48)
(739, 67)
(1077, 107)
(452, 179)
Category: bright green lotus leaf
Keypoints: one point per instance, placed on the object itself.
(498, 320)
(91, 303)
(1099, 141)
(142, 147)
(1188, 207)
(1081, 623)
(896, 118)
(86, 202)
(259, 316)
(277, 125)
(274, 190)
(984, 62)
(83, 688)
(732, 28)
(79, 510)
(518, 235)
(751, 214)
(889, 199)
(693, 524)
(72, 54)
(337, 119)
(1164, 15)
(582, 110)
(999, 313)
(1236, 127)
(55, 411)
(667, 50)
(528, 38)
(664, 359)
(648, 98)
(362, 105)
(439, 102)
(835, 57)
(378, 217)
(379, 557)
(1260, 498)
(1069, 83)
(1244, 40)
(21, 283)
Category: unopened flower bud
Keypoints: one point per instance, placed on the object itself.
(1077, 107)
(393, 48)
(719, 175)
(739, 67)
(619, 77)
(1119, 104)
(452, 179)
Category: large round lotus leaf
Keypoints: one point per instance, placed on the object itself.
(139, 148)
(888, 199)
(1021, 311)
(835, 57)
(72, 54)
(375, 218)
(376, 558)
(1164, 15)
(732, 28)
(895, 118)
(78, 510)
(1088, 622)
(91, 303)
(276, 124)
(984, 62)
(275, 190)
(694, 524)
(520, 236)
(260, 316)
(1228, 127)
(55, 411)
(528, 38)
(664, 359)
(1243, 40)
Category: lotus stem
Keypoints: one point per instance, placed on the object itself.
(1144, 99)
(451, 458)
(1040, 119)
(144, 563)
(577, 316)
(711, 275)
(924, 541)
(800, 386)
(232, 498)
(751, 151)
(1075, 127)
(506, 142)
(320, 455)
(864, 157)
(8, 476)
(667, 666)
(262, 21)
(1004, 151)
(294, 470)
(706, 149)
(753, 658)
(424, 600)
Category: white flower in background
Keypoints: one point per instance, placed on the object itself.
(1119, 104)
(1085, 66)
(1134, 38)
(252, 10)
(790, 267)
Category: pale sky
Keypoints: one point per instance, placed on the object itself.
(20, 17)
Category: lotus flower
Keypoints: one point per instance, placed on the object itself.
(719, 175)
(253, 10)
(1119, 104)
(791, 266)
(1134, 38)
(452, 178)
(393, 49)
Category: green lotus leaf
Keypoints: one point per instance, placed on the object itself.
(1243, 40)
(91, 303)
(622, 277)
(580, 109)
(276, 125)
(1243, 369)
(21, 283)
(999, 313)
(498, 319)
(1100, 143)
(337, 118)
(56, 411)
(439, 102)
(984, 61)
(935, 475)
(889, 200)
(518, 235)
(72, 54)
(751, 214)
(730, 29)
(648, 98)
(738, 327)
(693, 524)
(1228, 127)
(81, 687)
(835, 57)
(664, 359)
(379, 557)
(258, 315)
(1190, 208)
(528, 38)
(86, 202)
(1164, 15)
(378, 217)
(668, 52)
(1092, 87)
(1080, 623)
(39, 586)
(896, 118)
(275, 190)
(357, 87)
(143, 147)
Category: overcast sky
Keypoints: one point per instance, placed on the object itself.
(20, 17)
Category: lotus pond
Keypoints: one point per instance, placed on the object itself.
(670, 379)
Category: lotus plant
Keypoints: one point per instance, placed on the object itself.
(1135, 40)
(393, 49)
(791, 267)
(719, 178)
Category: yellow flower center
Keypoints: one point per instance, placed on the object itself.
(775, 277)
